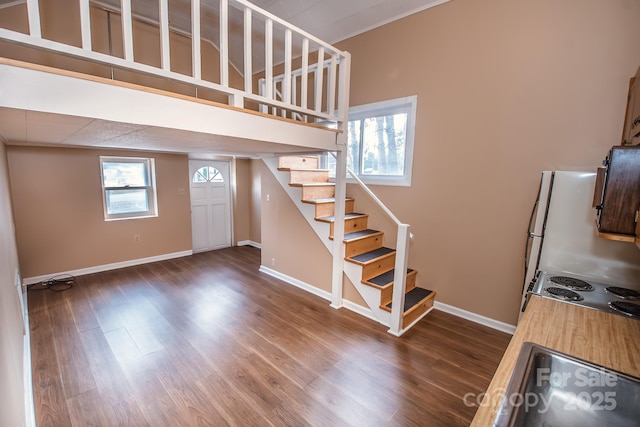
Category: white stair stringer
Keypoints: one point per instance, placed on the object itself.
(369, 294)
(353, 271)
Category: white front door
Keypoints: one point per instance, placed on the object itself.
(210, 204)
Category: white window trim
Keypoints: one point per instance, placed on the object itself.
(367, 110)
(151, 188)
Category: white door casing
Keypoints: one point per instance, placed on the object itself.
(210, 204)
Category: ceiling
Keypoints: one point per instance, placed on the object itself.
(328, 20)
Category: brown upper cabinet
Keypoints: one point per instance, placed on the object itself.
(617, 194)
(631, 130)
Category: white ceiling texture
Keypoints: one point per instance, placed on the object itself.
(328, 20)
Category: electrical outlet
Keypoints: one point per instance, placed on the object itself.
(273, 262)
(136, 238)
(268, 198)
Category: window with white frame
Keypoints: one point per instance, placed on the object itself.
(128, 187)
(380, 141)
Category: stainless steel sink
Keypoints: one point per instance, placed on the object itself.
(549, 388)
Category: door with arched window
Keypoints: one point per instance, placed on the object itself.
(210, 204)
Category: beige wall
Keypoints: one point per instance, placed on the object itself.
(60, 226)
(506, 89)
(12, 405)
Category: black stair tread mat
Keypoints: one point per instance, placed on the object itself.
(413, 297)
(358, 234)
(348, 215)
(385, 278)
(325, 200)
(368, 256)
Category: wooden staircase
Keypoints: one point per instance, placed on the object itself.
(363, 246)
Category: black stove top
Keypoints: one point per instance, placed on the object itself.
(624, 293)
(613, 299)
(625, 307)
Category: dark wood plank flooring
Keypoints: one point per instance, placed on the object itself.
(208, 340)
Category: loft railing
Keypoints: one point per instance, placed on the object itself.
(316, 91)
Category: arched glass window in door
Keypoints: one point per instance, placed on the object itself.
(207, 174)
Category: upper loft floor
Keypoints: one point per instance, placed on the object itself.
(218, 68)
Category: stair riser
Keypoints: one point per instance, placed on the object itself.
(328, 209)
(386, 296)
(301, 176)
(376, 268)
(352, 225)
(363, 245)
(318, 192)
(417, 311)
(297, 162)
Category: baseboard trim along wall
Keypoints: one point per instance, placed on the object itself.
(250, 243)
(476, 318)
(363, 311)
(107, 267)
(468, 315)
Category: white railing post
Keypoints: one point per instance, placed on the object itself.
(127, 29)
(165, 54)
(338, 226)
(286, 83)
(85, 24)
(319, 75)
(331, 86)
(304, 82)
(268, 59)
(224, 43)
(399, 279)
(248, 66)
(196, 53)
(344, 86)
(33, 13)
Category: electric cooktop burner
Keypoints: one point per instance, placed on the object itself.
(564, 294)
(571, 283)
(624, 293)
(628, 308)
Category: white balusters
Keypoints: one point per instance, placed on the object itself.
(196, 53)
(165, 54)
(85, 23)
(224, 42)
(127, 29)
(248, 52)
(319, 74)
(33, 12)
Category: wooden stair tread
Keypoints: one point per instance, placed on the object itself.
(346, 216)
(413, 298)
(348, 237)
(371, 255)
(322, 200)
(312, 184)
(384, 278)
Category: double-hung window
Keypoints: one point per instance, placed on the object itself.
(380, 141)
(128, 187)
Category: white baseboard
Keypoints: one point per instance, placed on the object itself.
(250, 243)
(297, 283)
(107, 267)
(356, 308)
(486, 321)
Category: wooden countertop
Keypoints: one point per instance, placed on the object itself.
(602, 338)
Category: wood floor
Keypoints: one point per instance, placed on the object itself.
(208, 340)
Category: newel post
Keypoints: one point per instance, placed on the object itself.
(399, 279)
